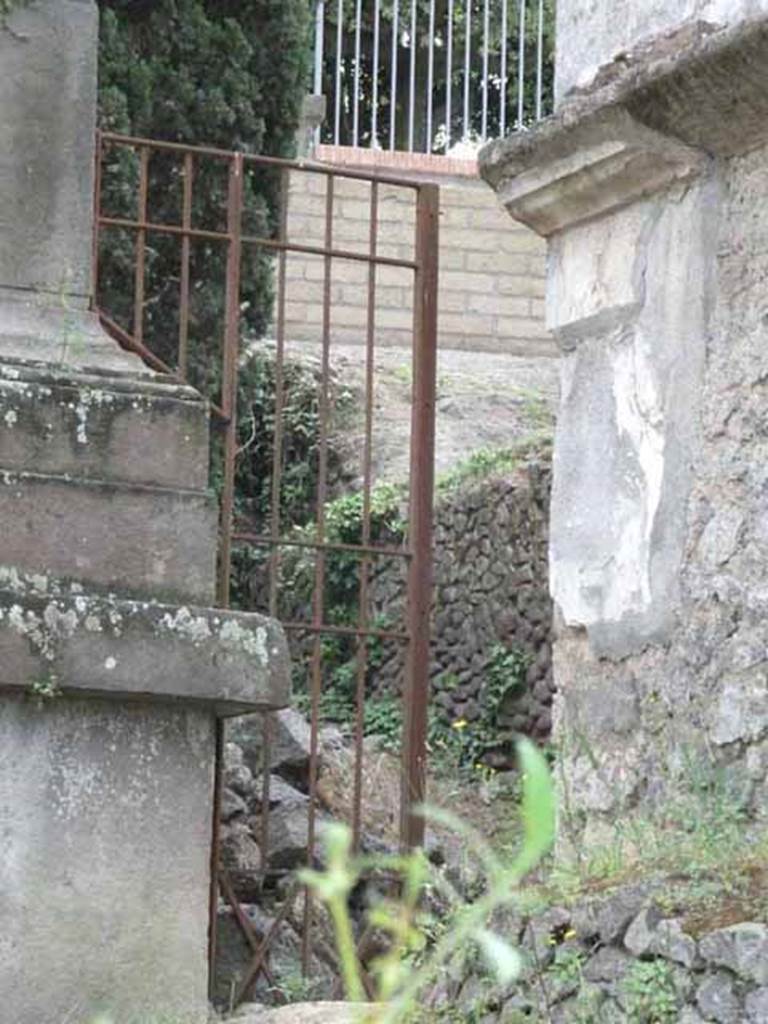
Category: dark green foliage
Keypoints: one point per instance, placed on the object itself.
(204, 72)
(440, 67)
(230, 75)
(300, 453)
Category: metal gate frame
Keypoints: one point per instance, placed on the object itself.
(417, 549)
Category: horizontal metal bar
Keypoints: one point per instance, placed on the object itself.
(266, 243)
(305, 166)
(263, 540)
(339, 254)
(163, 229)
(122, 337)
(376, 634)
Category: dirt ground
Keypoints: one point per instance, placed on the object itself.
(484, 401)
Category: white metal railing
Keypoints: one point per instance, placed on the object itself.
(424, 75)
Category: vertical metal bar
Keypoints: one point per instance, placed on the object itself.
(375, 82)
(539, 60)
(95, 237)
(319, 55)
(467, 58)
(186, 223)
(319, 46)
(319, 586)
(277, 443)
(267, 731)
(416, 696)
(449, 77)
(521, 67)
(277, 471)
(393, 75)
(141, 247)
(362, 617)
(213, 891)
(412, 78)
(430, 76)
(503, 96)
(229, 371)
(486, 20)
(356, 98)
(337, 87)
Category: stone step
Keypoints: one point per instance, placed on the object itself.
(56, 637)
(127, 538)
(103, 428)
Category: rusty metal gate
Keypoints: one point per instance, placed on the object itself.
(187, 208)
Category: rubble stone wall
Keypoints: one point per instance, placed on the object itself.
(622, 958)
(491, 588)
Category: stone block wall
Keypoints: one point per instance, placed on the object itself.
(656, 293)
(491, 588)
(491, 270)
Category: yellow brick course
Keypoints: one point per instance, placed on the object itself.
(492, 271)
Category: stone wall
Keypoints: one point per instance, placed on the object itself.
(491, 588)
(622, 958)
(593, 37)
(108, 698)
(491, 271)
(652, 203)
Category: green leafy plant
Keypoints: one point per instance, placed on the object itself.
(650, 993)
(45, 688)
(487, 462)
(411, 963)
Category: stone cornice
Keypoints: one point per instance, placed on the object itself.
(115, 649)
(649, 119)
(562, 174)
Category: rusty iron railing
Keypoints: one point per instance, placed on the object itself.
(133, 225)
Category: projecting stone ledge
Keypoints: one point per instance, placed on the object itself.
(562, 173)
(83, 644)
(648, 120)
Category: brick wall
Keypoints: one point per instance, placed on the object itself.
(491, 269)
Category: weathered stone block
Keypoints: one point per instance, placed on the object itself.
(742, 948)
(86, 426)
(130, 538)
(130, 650)
(48, 114)
(106, 844)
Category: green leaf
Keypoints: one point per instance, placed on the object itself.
(537, 809)
(503, 959)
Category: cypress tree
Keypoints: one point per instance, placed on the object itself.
(223, 73)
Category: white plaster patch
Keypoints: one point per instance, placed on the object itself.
(591, 270)
(11, 418)
(110, 664)
(640, 421)
(602, 551)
